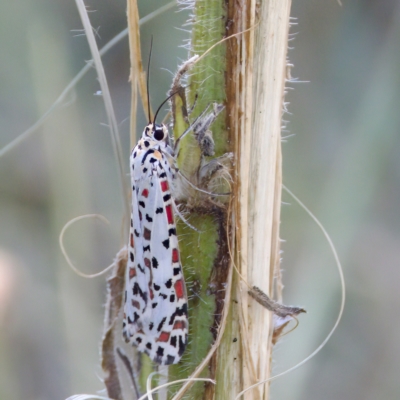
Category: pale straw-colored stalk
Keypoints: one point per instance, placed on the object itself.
(258, 74)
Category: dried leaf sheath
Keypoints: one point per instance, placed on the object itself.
(115, 289)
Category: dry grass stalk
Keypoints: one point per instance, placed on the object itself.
(112, 121)
(255, 100)
(137, 76)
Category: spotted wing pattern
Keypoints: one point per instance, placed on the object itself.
(155, 310)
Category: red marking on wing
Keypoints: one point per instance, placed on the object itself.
(147, 234)
(132, 241)
(179, 325)
(164, 186)
(147, 262)
(151, 294)
(145, 193)
(132, 272)
(136, 304)
(175, 255)
(179, 289)
(164, 337)
(170, 216)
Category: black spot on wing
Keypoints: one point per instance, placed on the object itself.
(179, 312)
(168, 284)
(172, 232)
(159, 210)
(154, 262)
(161, 324)
(160, 351)
(182, 346)
(141, 204)
(149, 219)
(136, 290)
(135, 316)
(166, 197)
(170, 360)
(166, 243)
(177, 271)
(148, 152)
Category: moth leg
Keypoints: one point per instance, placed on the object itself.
(200, 128)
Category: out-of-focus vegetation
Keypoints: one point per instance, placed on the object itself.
(342, 162)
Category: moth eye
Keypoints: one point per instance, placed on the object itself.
(158, 134)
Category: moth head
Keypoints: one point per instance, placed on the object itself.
(158, 132)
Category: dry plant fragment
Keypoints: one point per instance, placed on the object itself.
(282, 314)
(128, 365)
(277, 308)
(177, 87)
(115, 290)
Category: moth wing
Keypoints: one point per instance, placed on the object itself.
(169, 300)
(137, 277)
(155, 310)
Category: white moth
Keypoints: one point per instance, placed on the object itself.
(155, 309)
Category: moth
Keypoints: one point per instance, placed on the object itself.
(155, 310)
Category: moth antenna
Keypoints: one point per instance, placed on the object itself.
(148, 79)
(159, 108)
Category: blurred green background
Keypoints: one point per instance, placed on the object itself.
(342, 162)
